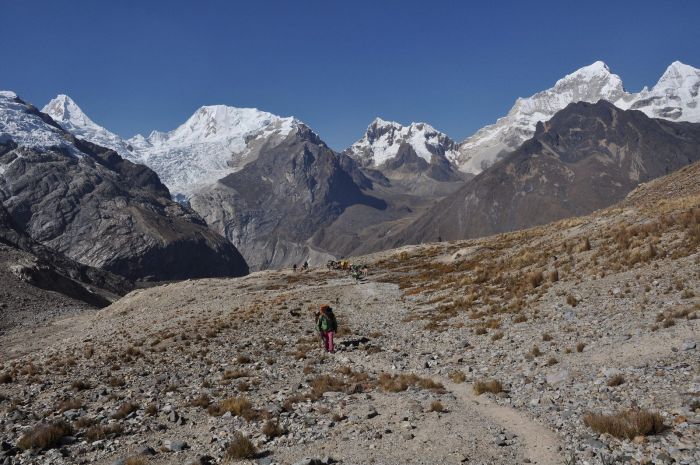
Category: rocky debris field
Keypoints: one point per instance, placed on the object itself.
(570, 343)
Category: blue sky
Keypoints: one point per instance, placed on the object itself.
(134, 66)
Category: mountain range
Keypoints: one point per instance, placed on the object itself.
(280, 195)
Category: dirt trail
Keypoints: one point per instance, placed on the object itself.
(372, 300)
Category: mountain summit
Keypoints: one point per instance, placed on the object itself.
(674, 97)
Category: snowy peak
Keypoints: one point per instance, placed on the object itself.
(220, 122)
(24, 125)
(63, 109)
(678, 75)
(674, 97)
(383, 139)
(71, 117)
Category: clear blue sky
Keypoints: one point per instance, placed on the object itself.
(134, 66)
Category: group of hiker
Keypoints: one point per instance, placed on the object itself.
(304, 267)
(325, 321)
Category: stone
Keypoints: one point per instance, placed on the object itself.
(688, 345)
(407, 436)
(175, 446)
(557, 377)
(501, 440)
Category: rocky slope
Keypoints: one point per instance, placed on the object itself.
(674, 97)
(272, 207)
(593, 315)
(588, 156)
(88, 203)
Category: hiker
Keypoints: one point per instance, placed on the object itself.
(306, 266)
(327, 326)
(294, 268)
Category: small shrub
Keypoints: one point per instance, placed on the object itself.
(326, 383)
(520, 318)
(553, 276)
(151, 410)
(458, 376)
(625, 424)
(45, 436)
(71, 404)
(84, 422)
(272, 429)
(580, 346)
(571, 300)
(80, 385)
(239, 406)
(125, 410)
(493, 386)
(616, 380)
(243, 359)
(480, 331)
(436, 406)
(535, 351)
(116, 381)
(6, 378)
(202, 401)
(546, 337)
(535, 278)
(496, 336)
(241, 448)
(552, 361)
(98, 432)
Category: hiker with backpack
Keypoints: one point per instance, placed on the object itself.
(327, 326)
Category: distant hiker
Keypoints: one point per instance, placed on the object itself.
(327, 326)
(294, 267)
(306, 266)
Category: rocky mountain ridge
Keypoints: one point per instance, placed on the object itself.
(86, 202)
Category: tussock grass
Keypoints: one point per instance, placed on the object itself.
(493, 386)
(399, 383)
(239, 406)
(125, 410)
(45, 436)
(241, 448)
(626, 424)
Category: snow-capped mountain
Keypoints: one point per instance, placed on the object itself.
(68, 114)
(214, 142)
(21, 123)
(589, 84)
(674, 97)
(383, 139)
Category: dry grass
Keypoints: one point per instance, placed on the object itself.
(272, 429)
(326, 383)
(520, 318)
(616, 380)
(626, 424)
(552, 361)
(98, 432)
(80, 385)
(458, 377)
(436, 406)
(241, 448)
(70, 404)
(493, 386)
(202, 401)
(399, 383)
(5, 378)
(239, 406)
(580, 346)
(45, 436)
(125, 410)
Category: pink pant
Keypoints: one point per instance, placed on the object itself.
(328, 340)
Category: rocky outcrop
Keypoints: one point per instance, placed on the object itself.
(588, 156)
(91, 205)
